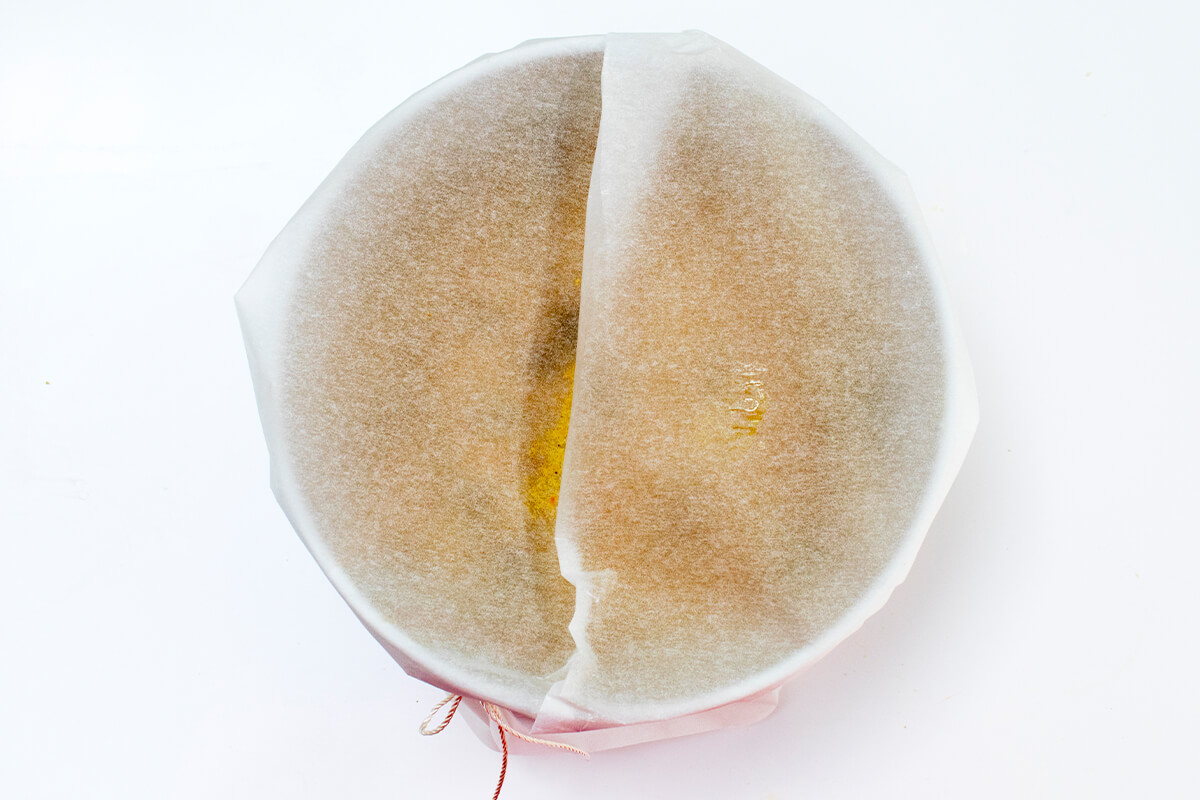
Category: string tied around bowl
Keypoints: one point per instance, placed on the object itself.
(493, 712)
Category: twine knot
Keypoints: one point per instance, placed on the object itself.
(494, 712)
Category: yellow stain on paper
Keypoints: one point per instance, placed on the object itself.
(750, 400)
(546, 454)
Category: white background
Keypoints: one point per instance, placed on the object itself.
(165, 635)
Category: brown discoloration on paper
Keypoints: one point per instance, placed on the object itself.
(755, 238)
(749, 364)
(433, 325)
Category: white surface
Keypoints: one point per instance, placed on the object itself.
(166, 635)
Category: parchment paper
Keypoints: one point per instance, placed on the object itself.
(609, 380)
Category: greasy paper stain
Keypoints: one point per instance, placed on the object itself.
(546, 453)
(749, 399)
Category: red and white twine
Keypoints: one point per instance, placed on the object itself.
(494, 712)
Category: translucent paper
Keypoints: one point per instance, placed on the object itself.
(609, 380)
